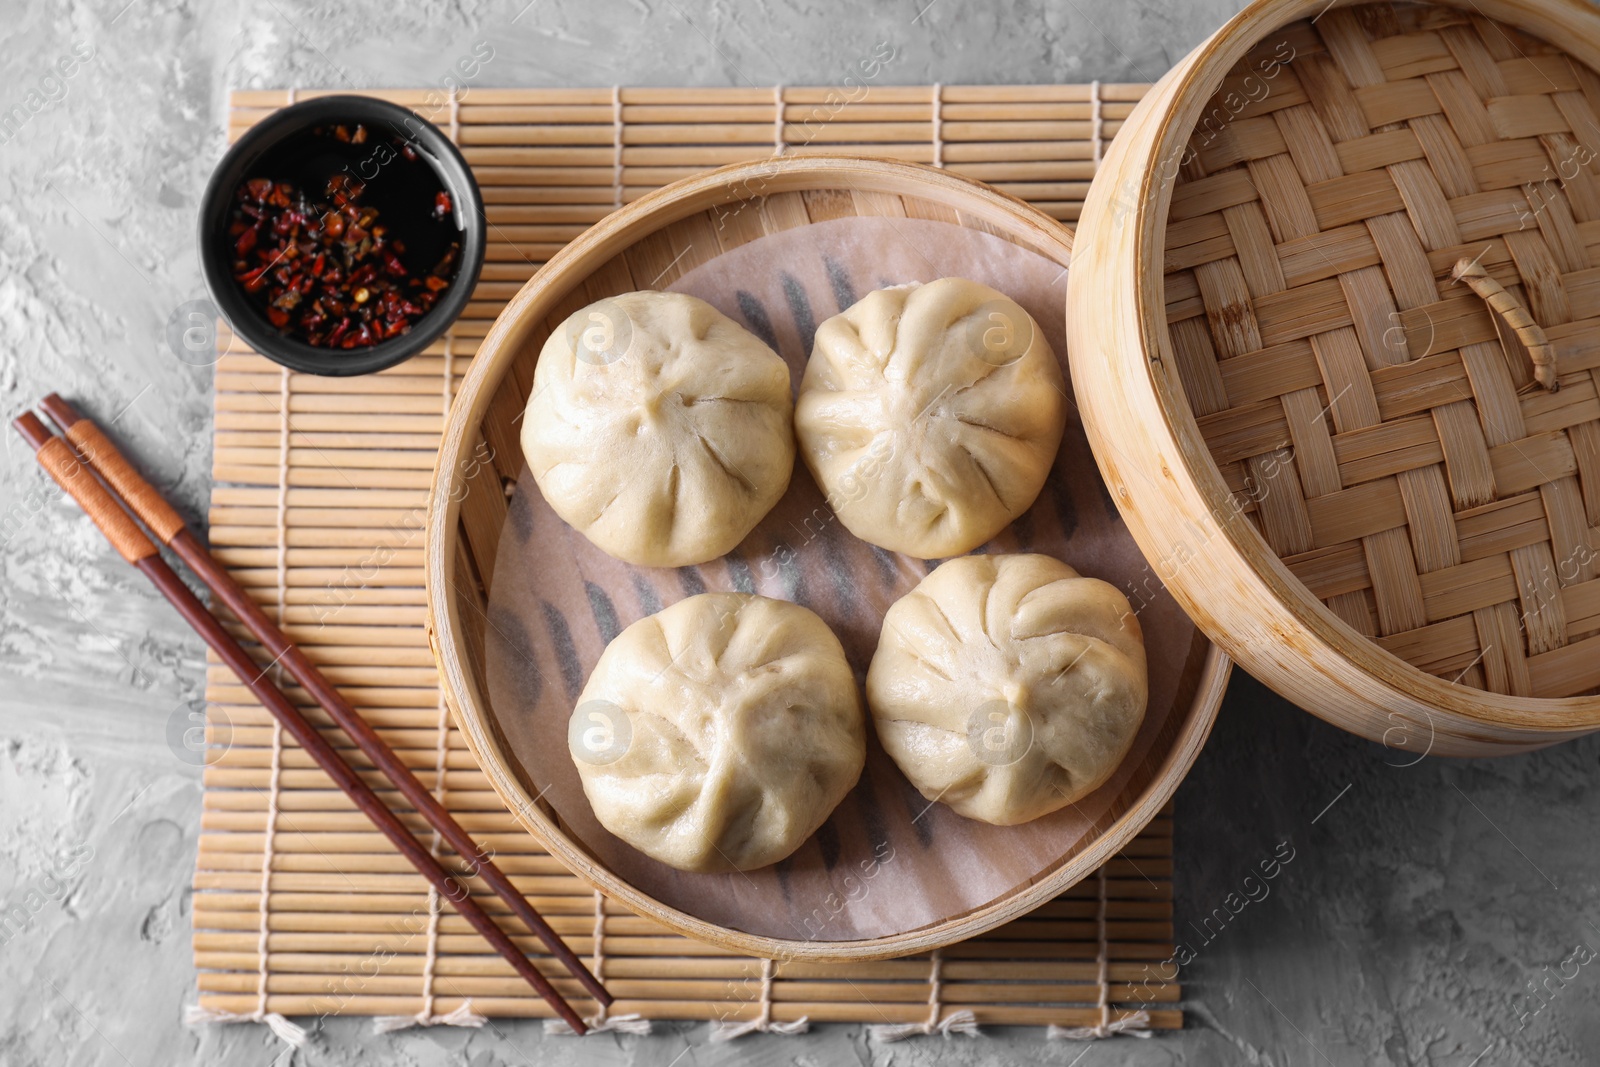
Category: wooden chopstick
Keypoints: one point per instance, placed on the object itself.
(145, 501)
(69, 470)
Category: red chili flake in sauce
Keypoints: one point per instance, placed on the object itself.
(324, 266)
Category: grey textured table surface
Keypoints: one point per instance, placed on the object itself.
(1420, 907)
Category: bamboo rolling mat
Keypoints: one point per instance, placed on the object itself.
(321, 484)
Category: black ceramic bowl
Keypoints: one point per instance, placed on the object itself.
(258, 146)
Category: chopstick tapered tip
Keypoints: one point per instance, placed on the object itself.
(32, 430)
(61, 413)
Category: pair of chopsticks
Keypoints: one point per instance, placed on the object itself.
(73, 461)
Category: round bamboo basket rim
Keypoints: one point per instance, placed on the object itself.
(499, 350)
(1192, 84)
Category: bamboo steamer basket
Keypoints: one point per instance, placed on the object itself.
(1336, 455)
(468, 503)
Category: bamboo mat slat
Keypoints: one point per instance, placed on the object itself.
(300, 907)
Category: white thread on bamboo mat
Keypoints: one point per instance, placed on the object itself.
(1136, 1024)
(198, 1014)
(1096, 120)
(283, 514)
(616, 146)
(778, 144)
(463, 1015)
(601, 1022)
(957, 1022)
(724, 1030)
(286, 1030)
(938, 125)
(447, 395)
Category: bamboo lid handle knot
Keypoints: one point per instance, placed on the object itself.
(1517, 330)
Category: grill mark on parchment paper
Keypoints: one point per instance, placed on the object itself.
(649, 602)
(693, 583)
(755, 316)
(805, 323)
(844, 294)
(1060, 495)
(781, 871)
(871, 815)
(839, 570)
(566, 653)
(919, 811)
(828, 843)
(1023, 527)
(521, 513)
(794, 582)
(1105, 495)
(507, 629)
(605, 614)
(828, 846)
(739, 574)
(887, 570)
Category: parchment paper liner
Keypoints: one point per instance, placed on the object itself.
(887, 861)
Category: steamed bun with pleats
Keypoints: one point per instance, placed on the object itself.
(659, 428)
(930, 415)
(719, 733)
(1008, 686)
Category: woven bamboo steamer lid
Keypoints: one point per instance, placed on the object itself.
(479, 451)
(1337, 455)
